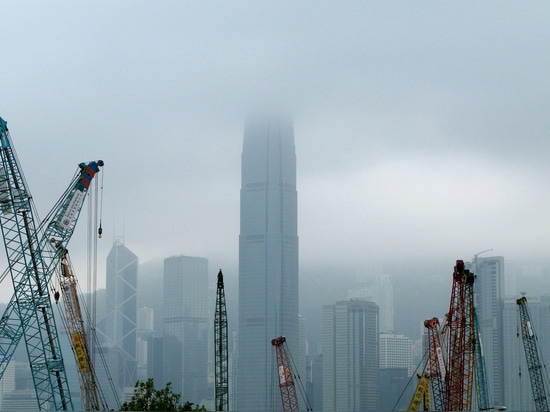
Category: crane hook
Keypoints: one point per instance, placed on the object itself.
(99, 231)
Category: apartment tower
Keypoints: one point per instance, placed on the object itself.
(268, 258)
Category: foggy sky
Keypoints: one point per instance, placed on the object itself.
(421, 128)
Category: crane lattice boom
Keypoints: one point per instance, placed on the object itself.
(286, 379)
(532, 355)
(32, 260)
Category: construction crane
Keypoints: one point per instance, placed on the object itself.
(534, 364)
(482, 391)
(74, 321)
(285, 376)
(434, 372)
(461, 341)
(32, 260)
(221, 359)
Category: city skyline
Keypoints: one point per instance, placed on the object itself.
(389, 130)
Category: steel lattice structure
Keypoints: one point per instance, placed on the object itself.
(461, 341)
(286, 378)
(32, 261)
(221, 348)
(533, 357)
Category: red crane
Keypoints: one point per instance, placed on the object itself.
(461, 341)
(284, 373)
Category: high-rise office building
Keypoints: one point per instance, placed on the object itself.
(185, 324)
(117, 329)
(396, 351)
(350, 356)
(489, 301)
(381, 293)
(268, 258)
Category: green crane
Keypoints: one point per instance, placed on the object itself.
(32, 261)
(221, 349)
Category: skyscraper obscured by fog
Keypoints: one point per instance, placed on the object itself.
(185, 324)
(118, 328)
(350, 356)
(268, 258)
(489, 301)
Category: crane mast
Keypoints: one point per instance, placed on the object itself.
(284, 374)
(461, 341)
(221, 348)
(436, 364)
(434, 372)
(32, 260)
(482, 392)
(532, 355)
(79, 342)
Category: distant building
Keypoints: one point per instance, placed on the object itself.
(395, 390)
(7, 383)
(396, 351)
(118, 328)
(350, 356)
(268, 258)
(381, 293)
(489, 301)
(186, 326)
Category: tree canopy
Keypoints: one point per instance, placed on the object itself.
(147, 398)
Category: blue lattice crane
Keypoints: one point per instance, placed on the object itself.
(32, 261)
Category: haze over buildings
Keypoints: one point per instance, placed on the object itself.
(422, 136)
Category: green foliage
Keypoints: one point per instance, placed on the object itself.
(147, 398)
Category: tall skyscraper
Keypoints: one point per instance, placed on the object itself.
(268, 258)
(118, 328)
(350, 356)
(489, 301)
(185, 324)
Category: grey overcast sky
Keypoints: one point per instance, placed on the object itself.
(421, 128)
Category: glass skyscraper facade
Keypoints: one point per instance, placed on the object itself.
(489, 301)
(268, 258)
(350, 356)
(119, 326)
(186, 327)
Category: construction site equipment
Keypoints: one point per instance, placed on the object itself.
(482, 391)
(32, 260)
(286, 379)
(461, 341)
(534, 364)
(434, 372)
(74, 322)
(221, 358)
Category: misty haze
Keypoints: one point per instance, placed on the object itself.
(333, 163)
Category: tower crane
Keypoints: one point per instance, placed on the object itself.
(461, 341)
(221, 359)
(32, 260)
(532, 355)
